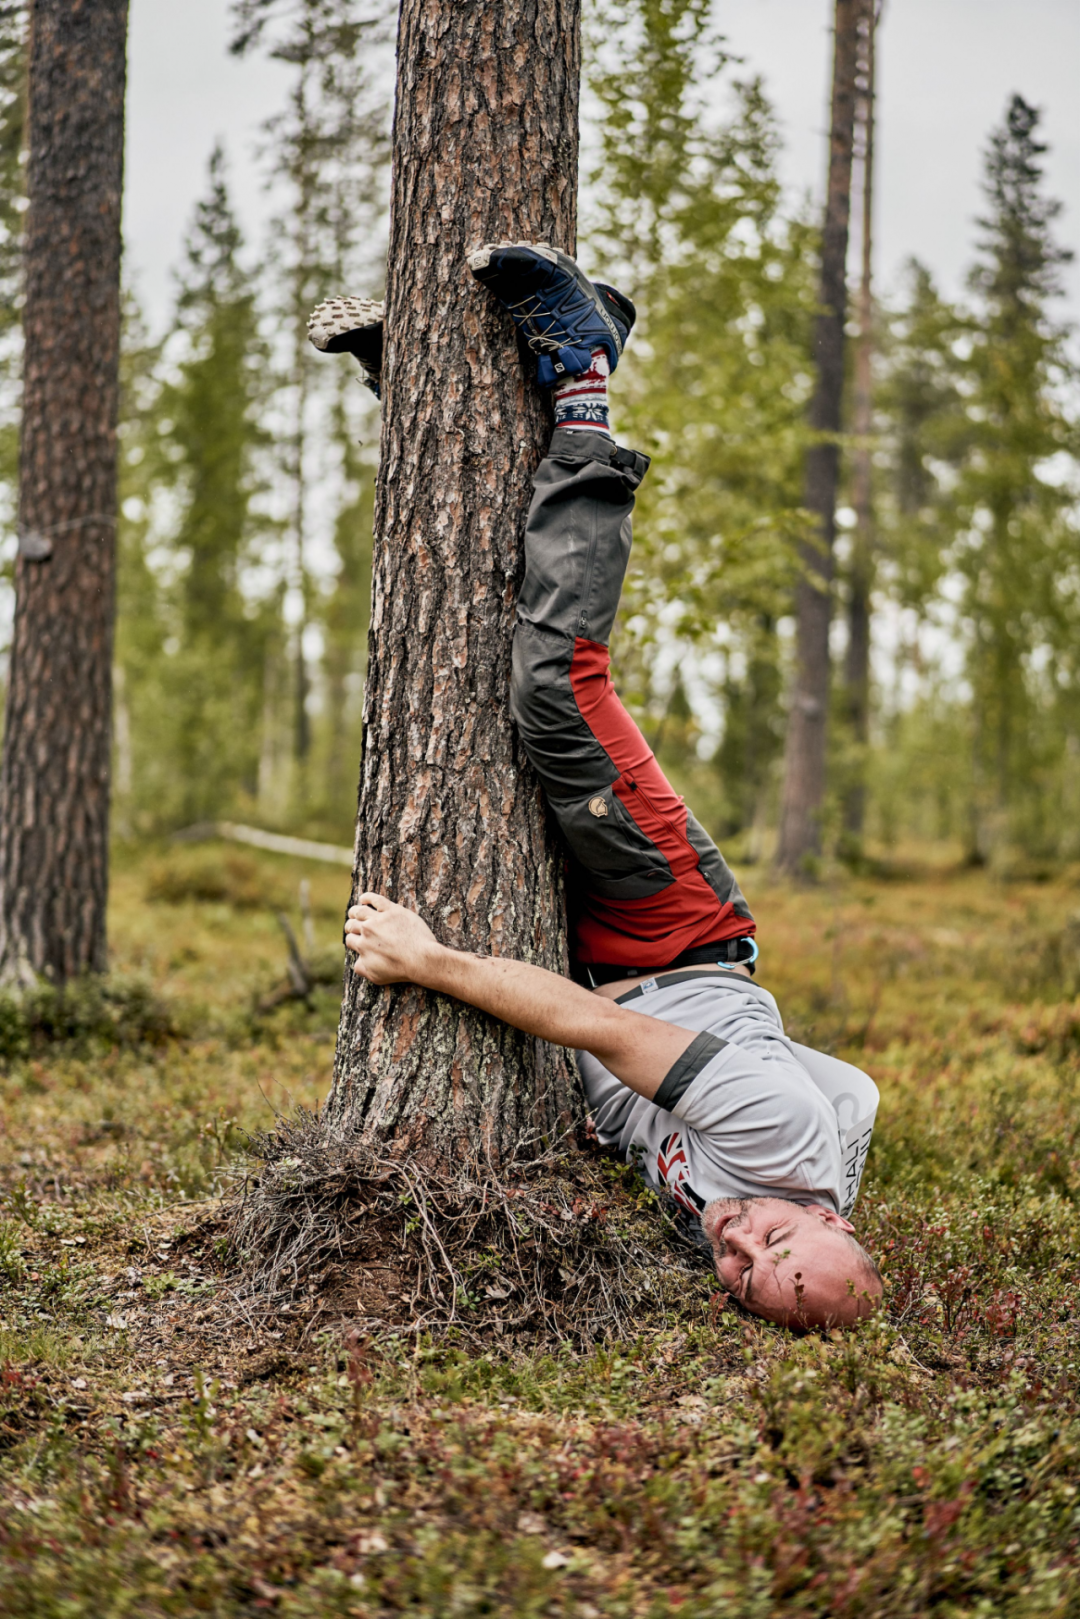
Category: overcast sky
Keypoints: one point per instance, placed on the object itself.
(946, 69)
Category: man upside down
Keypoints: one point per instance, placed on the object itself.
(684, 1058)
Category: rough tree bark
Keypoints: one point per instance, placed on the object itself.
(54, 777)
(450, 819)
(804, 753)
(861, 578)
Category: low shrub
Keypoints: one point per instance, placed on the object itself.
(210, 877)
(88, 1014)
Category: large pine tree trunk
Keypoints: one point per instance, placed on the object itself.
(861, 578)
(54, 778)
(450, 818)
(804, 754)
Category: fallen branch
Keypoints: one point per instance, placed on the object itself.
(276, 842)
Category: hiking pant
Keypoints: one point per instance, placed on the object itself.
(648, 887)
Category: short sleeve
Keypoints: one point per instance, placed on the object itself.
(762, 1121)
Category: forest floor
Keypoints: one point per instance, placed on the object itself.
(167, 1449)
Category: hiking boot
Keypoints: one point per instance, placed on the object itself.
(351, 326)
(563, 316)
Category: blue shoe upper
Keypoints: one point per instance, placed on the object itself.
(561, 314)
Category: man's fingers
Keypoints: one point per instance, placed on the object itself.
(362, 913)
(378, 902)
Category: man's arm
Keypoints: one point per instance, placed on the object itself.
(393, 945)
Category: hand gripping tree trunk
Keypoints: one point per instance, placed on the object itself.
(804, 754)
(54, 778)
(450, 818)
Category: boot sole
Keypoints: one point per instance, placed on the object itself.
(358, 319)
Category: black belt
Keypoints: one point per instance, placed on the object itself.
(731, 952)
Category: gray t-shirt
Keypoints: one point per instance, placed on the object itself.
(745, 1112)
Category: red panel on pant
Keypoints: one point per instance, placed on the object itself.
(653, 931)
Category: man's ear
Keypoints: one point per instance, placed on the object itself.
(829, 1216)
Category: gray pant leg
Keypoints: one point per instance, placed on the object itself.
(578, 536)
(577, 546)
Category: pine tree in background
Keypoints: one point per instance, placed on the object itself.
(715, 383)
(329, 149)
(802, 802)
(913, 779)
(1017, 547)
(981, 550)
(923, 434)
(196, 706)
(344, 610)
(141, 689)
(862, 563)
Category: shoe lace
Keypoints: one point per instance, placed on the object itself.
(532, 310)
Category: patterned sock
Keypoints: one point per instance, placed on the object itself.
(582, 401)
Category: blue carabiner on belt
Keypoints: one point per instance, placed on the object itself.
(730, 966)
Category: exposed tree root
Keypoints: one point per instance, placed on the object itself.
(564, 1244)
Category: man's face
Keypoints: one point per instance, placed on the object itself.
(788, 1262)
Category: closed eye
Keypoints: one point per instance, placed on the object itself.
(747, 1273)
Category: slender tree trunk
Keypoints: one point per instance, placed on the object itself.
(857, 658)
(804, 753)
(301, 361)
(450, 818)
(301, 720)
(54, 777)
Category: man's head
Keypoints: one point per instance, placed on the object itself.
(794, 1263)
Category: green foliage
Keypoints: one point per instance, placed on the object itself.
(328, 154)
(194, 635)
(13, 1266)
(979, 530)
(716, 381)
(245, 539)
(89, 1015)
(975, 451)
(922, 435)
(1017, 543)
(208, 877)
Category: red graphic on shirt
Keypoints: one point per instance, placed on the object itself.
(673, 1171)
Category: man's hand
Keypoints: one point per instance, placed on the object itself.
(392, 945)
